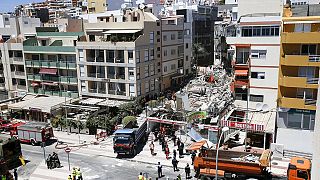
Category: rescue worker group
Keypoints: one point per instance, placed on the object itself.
(54, 162)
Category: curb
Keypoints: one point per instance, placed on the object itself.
(139, 161)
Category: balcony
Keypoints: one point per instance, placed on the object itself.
(301, 60)
(68, 79)
(300, 37)
(18, 60)
(22, 87)
(299, 82)
(45, 49)
(121, 93)
(50, 78)
(298, 103)
(32, 77)
(51, 64)
(97, 75)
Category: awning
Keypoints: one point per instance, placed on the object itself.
(241, 72)
(33, 84)
(49, 83)
(196, 145)
(121, 31)
(243, 45)
(48, 71)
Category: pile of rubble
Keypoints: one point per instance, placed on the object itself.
(209, 92)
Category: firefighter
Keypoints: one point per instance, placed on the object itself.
(174, 153)
(49, 164)
(140, 177)
(167, 152)
(179, 177)
(178, 142)
(56, 160)
(159, 170)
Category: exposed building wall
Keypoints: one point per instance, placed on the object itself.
(246, 7)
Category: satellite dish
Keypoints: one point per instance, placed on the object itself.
(258, 106)
(123, 6)
(265, 107)
(141, 6)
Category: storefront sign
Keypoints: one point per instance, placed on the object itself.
(242, 125)
(197, 115)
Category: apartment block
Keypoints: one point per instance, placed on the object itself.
(254, 50)
(119, 60)
(298, 80)
(94, 6)
(50, 60)
(13, 31)
(172, 50)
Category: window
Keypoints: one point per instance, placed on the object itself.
(254, 31)
(303, 174)
(131, 73)
(173, 52)
(258, 75)
(165, 69)
(306, 72)
(165, 53)
(187, 45)
(151, 36)
(25, 22)
(130, 56)
(173, 36)
(146, 85)
(138, 89)
(146, 71)
(151, 54)
(173, 66)
(294, 120)
(164, 38)
(83, 86)
(158, 32)
(81, 67)
(138, 72)
(187, 58)
(308, 49)
(302, 27)
(187, 32)
(172, 22)
(152, 85)
(137, 56)
(131, 90)
(256, 98)
(91, 38)
(151, 69)
(180, 34)
(258, 54)
(146, 55)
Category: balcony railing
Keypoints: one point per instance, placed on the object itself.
(111, 91)
(51, 64)
(21, 87)
(93, 91)
(120, 76)
(311, 102)
(17, 59)
(19, 73)
(314, 58)
(312, 80)
(122, 93)
(242, 60)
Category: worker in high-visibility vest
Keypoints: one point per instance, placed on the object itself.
(22, 161)
(69, 177)
(140, 177)
(74, 174)
(79, 174)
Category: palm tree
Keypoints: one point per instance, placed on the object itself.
(197, 49)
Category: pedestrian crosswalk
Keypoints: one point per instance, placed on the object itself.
(43, 173)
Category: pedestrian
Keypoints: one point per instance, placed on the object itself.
(174, 138)
(160, 138)
(187, 170)
(175, 164)
(57, 161)
(159, 170)
(140, 177)
(163, 145)
(74, 174)
(167, 152)
(15, 174)
(180, 152)
(151, 148)
(69, 177)
(174, 153)
(79, 174)
(178, 142)
(179, 177)
(193, 155)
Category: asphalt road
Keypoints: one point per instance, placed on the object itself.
(93, 166)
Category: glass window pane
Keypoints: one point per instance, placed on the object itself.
(306, 121)
(294, 120)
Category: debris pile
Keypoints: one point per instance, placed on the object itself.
(247, 158)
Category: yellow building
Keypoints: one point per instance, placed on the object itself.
(298, 80)
(96, 6)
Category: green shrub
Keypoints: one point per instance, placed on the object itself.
(127, 119)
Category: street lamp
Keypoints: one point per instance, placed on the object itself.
(224, 129)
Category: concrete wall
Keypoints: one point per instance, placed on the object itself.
(259, 6)
(296, 140)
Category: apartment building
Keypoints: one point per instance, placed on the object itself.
(13, 31)
(119, 60)
(172, 50)
(50, 60)
(94, 6)
(298, 80)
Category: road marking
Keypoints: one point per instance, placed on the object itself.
(92, 177)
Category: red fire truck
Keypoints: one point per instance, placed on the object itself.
(34, 132)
